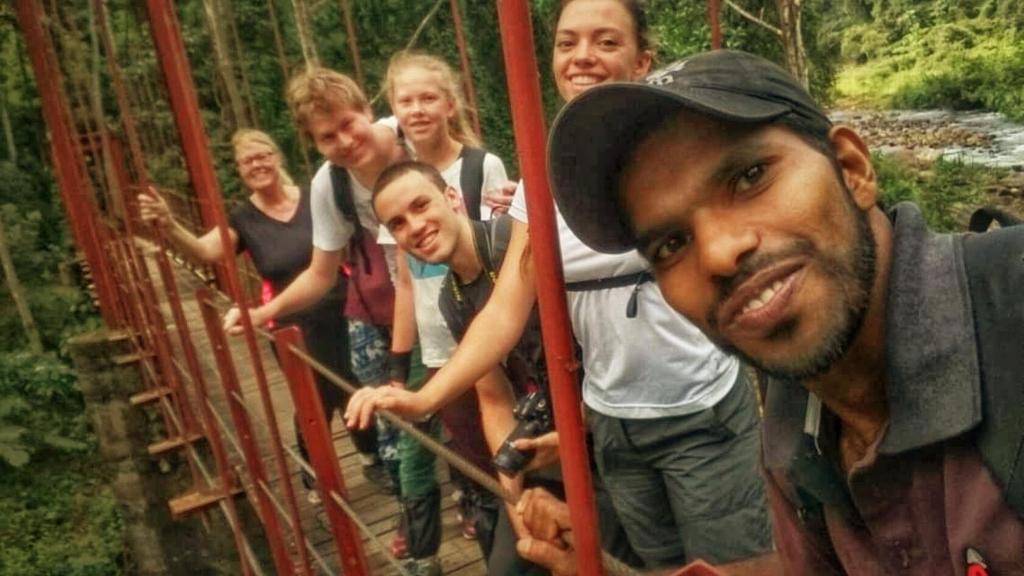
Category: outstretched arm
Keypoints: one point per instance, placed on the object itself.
(307, 289)
(205, 249)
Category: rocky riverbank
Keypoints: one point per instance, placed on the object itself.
(919, 138)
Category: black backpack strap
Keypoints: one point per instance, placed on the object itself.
(346, 204)
(471, 179)
(500, 234)
(994, 263)
(984, 216)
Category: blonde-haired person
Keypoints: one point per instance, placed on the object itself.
(425, 97)
(274, 226)
(673, 418)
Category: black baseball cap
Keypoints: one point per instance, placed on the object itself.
(592, 136)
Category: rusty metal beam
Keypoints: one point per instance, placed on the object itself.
(528, 120)
(73, 184)
(314, 428)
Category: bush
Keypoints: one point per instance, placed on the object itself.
(59, 519)
(947, 193)
(967, 64)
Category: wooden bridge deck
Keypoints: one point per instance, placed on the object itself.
(378, 510)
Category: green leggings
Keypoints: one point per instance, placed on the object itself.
(416, 468)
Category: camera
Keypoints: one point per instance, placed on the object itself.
(533, 413)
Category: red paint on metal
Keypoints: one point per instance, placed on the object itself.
(171, 52)
(714, 21)
(321, 450)
(528, 120)
(73, 184)
(181, 93)
(246, 435)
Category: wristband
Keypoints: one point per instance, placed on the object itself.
(398, 365)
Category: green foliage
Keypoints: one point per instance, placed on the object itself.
(941, 55)
(58, 518)
(41, 411)
(947, 193)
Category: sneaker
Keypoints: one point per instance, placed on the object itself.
(377, 474)
(313, 497)
(424, 566)
(399, 547)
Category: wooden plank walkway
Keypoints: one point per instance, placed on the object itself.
(378, 510)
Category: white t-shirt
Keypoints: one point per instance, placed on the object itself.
(436, 341)
(331, 231)
(655, 365)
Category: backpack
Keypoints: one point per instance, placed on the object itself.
(370, 295)
(471, 179)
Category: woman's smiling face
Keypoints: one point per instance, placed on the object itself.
(596, 42)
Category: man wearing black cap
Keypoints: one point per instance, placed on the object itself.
(894, 428)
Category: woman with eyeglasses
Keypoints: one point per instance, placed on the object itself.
(274, 225)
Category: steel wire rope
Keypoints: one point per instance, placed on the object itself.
(352, 514)
(612, 565)
(201, 466)
(227, 432)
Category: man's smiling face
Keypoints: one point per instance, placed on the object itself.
(422, 218)
(755, 238)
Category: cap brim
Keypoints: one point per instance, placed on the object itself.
(593, 133)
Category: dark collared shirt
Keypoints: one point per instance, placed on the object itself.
(921, 497)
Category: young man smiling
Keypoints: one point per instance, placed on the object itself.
(426, 218)
(893, 429)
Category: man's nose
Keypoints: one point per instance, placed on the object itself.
(722, 240)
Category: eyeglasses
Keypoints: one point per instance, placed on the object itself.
(252, 160)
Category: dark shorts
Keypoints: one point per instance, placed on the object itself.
(688, 487)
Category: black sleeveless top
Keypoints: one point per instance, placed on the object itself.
(280, 251)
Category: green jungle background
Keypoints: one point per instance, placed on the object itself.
(57, 515)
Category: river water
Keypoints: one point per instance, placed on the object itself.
(987, 138)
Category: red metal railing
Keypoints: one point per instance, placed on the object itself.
(120, 251)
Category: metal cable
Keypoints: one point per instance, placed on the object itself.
(347, 509)
(612, 565)
(284, 514)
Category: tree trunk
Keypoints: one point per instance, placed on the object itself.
(18, 294)
(216, 22)
(792, 39)
(353, 42)
(282, 56)
(104, 151)
(253, 119)
(309, 54)
(5, 117)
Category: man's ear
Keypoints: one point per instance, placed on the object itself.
(854, 161)
(454, 199)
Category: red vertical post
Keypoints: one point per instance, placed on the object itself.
(181, 93)
(467, 72)
(528, 120)
(246, 435)
(714, 21)
(163, 22)
(322, 456)
(72, 183)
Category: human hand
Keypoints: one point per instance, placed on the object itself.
(367, 401)
(500, 199)
(545, 449)
(153, 209)
(232, 321)
(549, 543)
